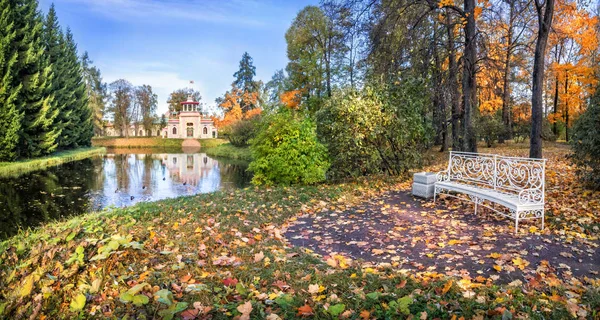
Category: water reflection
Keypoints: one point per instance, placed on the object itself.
(114, 179)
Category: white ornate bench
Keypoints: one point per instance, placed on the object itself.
(514, 183)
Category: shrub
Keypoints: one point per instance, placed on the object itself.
(586, 143)
(241, 132)
(286, 151)
(374, 131)
(490, 128)
(522, 130)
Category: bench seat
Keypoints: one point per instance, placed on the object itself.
(510, 201)
(517, 184)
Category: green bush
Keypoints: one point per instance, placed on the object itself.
(490, 128)
(374, 131)
(586, 143)
(286, 151)
(242, 131)
(522, 130)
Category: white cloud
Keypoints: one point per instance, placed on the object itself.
(162, 82)
(231, 12)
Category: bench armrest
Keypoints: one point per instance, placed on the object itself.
(442, 176)
(531, 196)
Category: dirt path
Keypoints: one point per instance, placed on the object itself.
(446, 238)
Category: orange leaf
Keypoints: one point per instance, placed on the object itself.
(305, 311)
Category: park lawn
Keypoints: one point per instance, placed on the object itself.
(229, 151)
(224, 255)
(150, 142)
(24, 166)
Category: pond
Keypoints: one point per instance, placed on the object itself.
(118, 178)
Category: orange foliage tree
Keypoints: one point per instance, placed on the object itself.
(574, 43)
(233, 105)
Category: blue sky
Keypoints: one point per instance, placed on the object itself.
(167, 43)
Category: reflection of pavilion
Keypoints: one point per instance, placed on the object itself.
(189, 168)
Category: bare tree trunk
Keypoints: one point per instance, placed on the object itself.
(469, 82)
(555, 126)
(566, 108)
(506, 114)
(544, 13)
(453, 86)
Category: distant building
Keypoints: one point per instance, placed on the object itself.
(190, 122)
(109, 130)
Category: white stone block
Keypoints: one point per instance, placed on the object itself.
(424, 178)
(423, 190)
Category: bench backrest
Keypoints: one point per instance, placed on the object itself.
(504, 174)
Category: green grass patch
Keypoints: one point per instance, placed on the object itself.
(150, 142)
(229, 151)
(223, 255)
(24, 166)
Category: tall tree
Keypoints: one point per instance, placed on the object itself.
(36, 137)
(312, 45)
(54, 44)
(244, 80)
(121, 103)
(10, 115)
(147, 102)
(96, 91)
(545, 11)
(573, 41)
(78, 127)
(244, 77)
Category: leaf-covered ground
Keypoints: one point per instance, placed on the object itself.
(225, 255)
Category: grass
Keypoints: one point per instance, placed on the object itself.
(149, 142)
(24, 166)
(223, 255)
(229, 151)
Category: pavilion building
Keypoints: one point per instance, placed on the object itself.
(190, 122)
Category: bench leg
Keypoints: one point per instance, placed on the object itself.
(517, 225)
(476, 201)
(543, 219)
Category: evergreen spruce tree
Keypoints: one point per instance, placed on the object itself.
(54, 43)
(244, 80)
(34, 73)
(76, 118)
(10, 117)
(96, 91)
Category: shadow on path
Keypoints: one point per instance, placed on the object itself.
(446, 237)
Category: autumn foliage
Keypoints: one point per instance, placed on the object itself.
(291, 99)
(236, 106)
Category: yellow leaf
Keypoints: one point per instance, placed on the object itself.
(533, 229)
(498, 268)
(78, 302)
(447, 287)
(27, 286)
(494, 255)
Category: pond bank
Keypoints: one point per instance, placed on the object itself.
(8, 169)
(229, 151)
(150, 142)
(224, 255)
